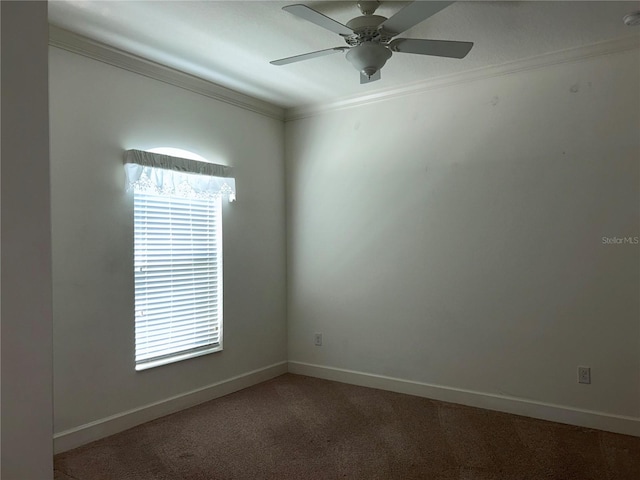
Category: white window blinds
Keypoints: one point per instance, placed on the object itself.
(177, 258)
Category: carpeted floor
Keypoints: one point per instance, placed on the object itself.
(296, 427)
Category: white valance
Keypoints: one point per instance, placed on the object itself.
(163, 174)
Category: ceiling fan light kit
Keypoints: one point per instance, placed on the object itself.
(370, 37)
(368, 57)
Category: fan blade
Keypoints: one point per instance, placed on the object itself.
(438, 48)
(318, 18)
(364, 79)
(307, 56)
(411, 15)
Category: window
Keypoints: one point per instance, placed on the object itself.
(177, 255)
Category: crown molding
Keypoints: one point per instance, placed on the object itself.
(72, 42)
(548, 59)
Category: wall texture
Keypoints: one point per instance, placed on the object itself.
(452, 238)
(97, 112)
(455, 237)
(26, 245)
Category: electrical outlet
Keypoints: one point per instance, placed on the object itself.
(317, 339)
(584, 375)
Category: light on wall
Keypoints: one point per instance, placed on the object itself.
(177, 152)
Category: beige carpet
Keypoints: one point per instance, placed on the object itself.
(296, 427)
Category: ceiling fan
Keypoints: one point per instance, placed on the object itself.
(371, 37)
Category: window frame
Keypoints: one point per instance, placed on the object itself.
(191, 186)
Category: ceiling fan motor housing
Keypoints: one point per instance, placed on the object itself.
(368, 57)
(366, 29)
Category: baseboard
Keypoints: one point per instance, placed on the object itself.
(518, 406)
(104, 427)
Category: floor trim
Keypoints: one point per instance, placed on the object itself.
(119, 422)
(518, 406)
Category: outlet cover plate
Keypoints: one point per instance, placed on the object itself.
(584, 375)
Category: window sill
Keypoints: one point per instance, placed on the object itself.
(178, 357)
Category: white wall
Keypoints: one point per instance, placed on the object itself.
(454, 237)
(97, 112)
(26, 245)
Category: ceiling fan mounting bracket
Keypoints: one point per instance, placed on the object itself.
(368, 7)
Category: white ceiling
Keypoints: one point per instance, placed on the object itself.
(231, 42)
